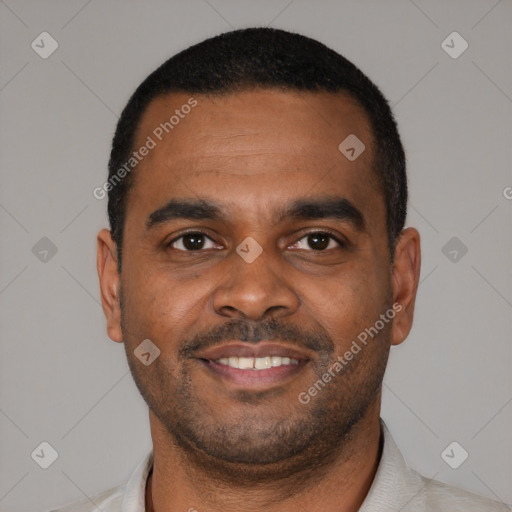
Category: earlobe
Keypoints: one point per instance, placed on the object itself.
(109, 283)
(406, 272)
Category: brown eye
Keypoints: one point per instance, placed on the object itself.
(190, 242)
(318, 241)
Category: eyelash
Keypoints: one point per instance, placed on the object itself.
(341, 244)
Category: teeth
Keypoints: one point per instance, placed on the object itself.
(277, 361)
(245, 363)
(256, 363)
(261, 363)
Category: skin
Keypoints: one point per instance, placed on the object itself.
(218, 446)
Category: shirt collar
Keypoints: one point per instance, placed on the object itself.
(395, 486)
(134, 496)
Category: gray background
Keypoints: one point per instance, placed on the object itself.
(63, 381)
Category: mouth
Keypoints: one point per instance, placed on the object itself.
(254, 366)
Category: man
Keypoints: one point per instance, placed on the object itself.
(258, 271)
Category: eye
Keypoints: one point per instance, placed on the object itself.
(318, 241)
(191, 242)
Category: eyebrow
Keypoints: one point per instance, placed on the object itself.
(324, 207)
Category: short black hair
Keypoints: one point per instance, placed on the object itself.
(263, 58)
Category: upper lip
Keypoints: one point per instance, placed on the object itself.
(261, 349)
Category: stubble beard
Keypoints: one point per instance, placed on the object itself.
(258, 447)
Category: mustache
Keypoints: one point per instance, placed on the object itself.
(250, 332)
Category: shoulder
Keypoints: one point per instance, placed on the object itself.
(131, 494)
(396, 486)
(107, 501)
(441, 497)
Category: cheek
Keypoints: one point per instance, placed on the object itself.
(163, 309)
(347, 303)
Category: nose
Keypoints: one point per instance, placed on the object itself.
(255, 290)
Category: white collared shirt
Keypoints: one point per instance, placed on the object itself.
(395, 488)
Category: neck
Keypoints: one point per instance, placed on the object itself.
(178, 482)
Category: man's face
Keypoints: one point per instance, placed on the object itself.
(306, 296)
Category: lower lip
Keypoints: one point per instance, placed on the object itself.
(255, 378)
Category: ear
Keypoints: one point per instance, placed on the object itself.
(109, 284)
(406, 274)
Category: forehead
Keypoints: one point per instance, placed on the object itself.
(254, 147)
(321, 120)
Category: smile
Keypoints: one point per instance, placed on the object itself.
(254, 366)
